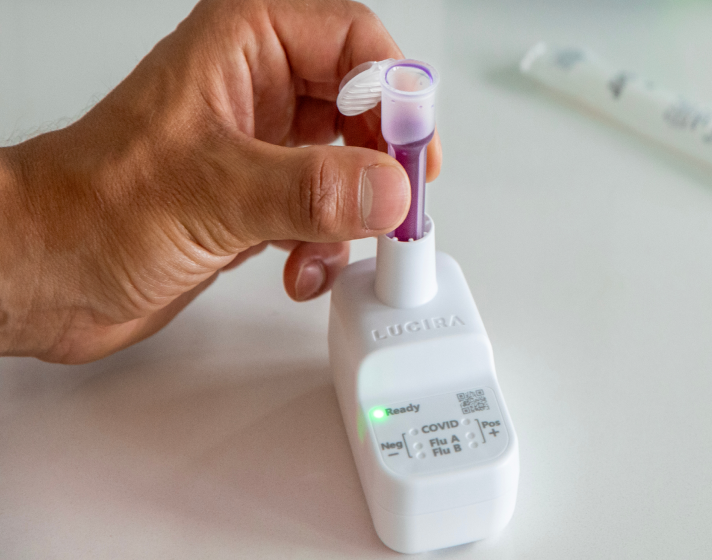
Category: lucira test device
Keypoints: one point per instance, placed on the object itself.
(429, 429)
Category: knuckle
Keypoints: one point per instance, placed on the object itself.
(360, 9)
(322, 204)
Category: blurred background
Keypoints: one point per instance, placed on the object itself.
(587, 248)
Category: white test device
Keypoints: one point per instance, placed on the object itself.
(430, 433)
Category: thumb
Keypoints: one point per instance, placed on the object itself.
(323, 193)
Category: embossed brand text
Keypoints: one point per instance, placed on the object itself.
(416, 326)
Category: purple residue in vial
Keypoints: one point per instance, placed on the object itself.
(413, 159)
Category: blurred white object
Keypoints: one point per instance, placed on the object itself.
(635, 102)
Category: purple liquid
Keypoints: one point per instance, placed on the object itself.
(413, 158)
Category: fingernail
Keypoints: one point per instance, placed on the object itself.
(310, 280)
(384, 193)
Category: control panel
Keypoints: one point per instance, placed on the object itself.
(440, 432)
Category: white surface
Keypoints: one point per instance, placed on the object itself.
(418, 360)
(589, 253)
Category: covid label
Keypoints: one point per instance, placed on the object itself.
(448, 431)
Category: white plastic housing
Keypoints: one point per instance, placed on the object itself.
(405, 270)
(442, 467)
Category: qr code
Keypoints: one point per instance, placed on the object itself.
(473, 401)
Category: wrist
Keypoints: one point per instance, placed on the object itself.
(13, 304)
(29, 281)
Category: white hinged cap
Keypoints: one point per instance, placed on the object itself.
(360, 90)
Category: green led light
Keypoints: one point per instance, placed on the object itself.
(378, 413)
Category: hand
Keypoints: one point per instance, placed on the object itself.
(109, 227)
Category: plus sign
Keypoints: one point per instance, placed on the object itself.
(494, 432)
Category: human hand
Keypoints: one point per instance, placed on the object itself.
(109, 227)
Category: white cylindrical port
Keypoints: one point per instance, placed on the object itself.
(405, 270)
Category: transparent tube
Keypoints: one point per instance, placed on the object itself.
(408, 125)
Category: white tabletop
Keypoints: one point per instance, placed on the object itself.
(588, 251)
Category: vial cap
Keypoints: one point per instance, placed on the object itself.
(360, 90)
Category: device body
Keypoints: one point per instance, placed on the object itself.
(430, 433)
(431, 436)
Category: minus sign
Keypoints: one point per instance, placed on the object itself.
(391, 454)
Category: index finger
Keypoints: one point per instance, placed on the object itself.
(324, 39)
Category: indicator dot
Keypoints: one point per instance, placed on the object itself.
(418, 445)
(420, 455)
(378, 413)
(470, 435)
(473, 444)
(413, 432)
(466, 421)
